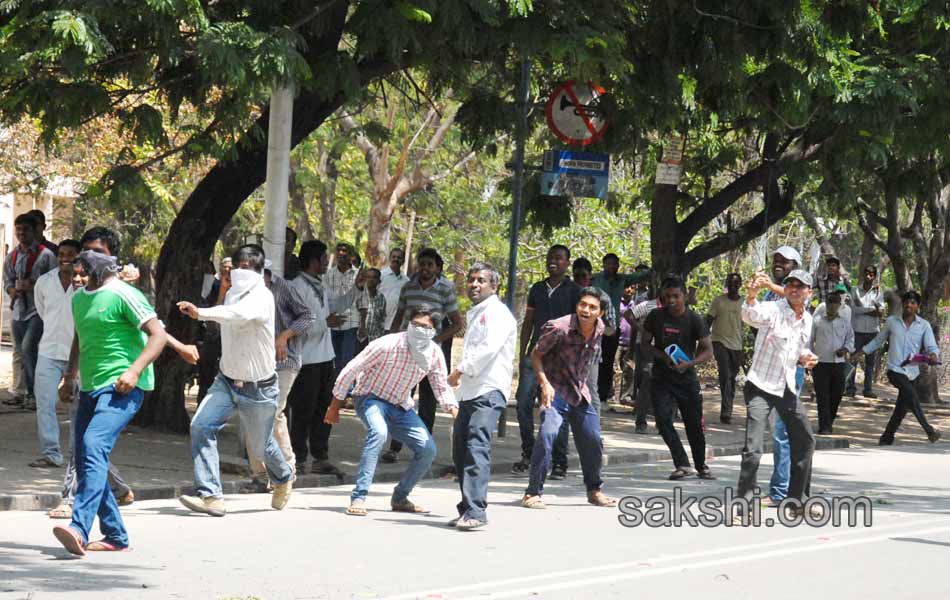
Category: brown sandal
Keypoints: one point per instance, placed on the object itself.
(356, 509)
(705, 473)
(679, 473)
(533, 502)
(598, 498)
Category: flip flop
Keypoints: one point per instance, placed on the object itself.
(44, 462)
(104, 546)
(678, 474)
(63, 511)
(705, 474)
(70, 540)
(356, 510)
(533, 502)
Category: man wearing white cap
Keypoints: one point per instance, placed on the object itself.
(785, 330)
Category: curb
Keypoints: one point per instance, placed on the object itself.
(48, 501)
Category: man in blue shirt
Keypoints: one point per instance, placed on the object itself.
(907, 335)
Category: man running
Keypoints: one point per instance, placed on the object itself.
(114, 358)
(247, 383)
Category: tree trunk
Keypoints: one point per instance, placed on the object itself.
(380, 230)
(665, 250)
(329, 171)
(195, 230)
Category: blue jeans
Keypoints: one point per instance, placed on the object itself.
(344, 346)
(101, 416)
(525, 396)
(382, 419)
(585, 423)
(26, 340)
(781, 450)
(471, 436)
(49, 372)
(256, 405)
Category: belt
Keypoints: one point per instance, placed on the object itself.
(240, 384)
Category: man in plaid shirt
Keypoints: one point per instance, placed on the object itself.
(785, 330)
(381, 378)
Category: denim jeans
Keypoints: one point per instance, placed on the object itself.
(425, 408)
(781, 450)
(585, 423)
(26, 340)
(559, 454)
(100, 417)
(870, 362)
(49, 372)
(525, 396)
(687, 396)
(471, 437)
(256, 405)
(70, 480)
(285, 382)
(801, 440)
(344, 346)
(381, 419)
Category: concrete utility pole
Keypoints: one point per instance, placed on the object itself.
(278, 175)
(518, 181)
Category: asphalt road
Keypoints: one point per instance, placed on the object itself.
(571, 550)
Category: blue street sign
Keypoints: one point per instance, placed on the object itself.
(577, 174)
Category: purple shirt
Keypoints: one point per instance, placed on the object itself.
(625, 328)
(567, 356)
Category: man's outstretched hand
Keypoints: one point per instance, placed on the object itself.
(188, 308)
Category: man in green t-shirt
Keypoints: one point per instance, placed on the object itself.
(117, 338)
(725, 321)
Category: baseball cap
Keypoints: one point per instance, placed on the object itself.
(799, 275)
(841, 288)
(789, 253)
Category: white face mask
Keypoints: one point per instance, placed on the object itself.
(243, 280)
(418, 337)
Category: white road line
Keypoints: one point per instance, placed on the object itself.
(600, 581)
(678, 558)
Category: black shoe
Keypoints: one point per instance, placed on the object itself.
(558, 472)
(642, 428)
(521, 468)
(725, 420)
(886, 442)
(871, 395)
(825, 432)
(934, 436)
(389, 457)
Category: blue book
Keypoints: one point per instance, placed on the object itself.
(677, 354)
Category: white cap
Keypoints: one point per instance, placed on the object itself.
(789, 253)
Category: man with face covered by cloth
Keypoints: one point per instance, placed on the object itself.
(247, 383)
(381, 378)
(117, 338)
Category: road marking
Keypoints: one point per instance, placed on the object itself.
(641, 571)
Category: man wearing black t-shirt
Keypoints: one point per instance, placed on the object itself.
(548, 299)
(674, 378)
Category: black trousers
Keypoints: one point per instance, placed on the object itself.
(688, 398)
(309, 400)
(800, 438)
(426, 410)
(728, 363)
(907, 400)
(829, 388)
(605, 377)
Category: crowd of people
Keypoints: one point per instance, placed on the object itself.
(287, 353)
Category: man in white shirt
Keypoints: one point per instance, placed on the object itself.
(483, 378)
(784, 334)
(247, 382)
(53, 295)
(339, 282)
(868, 305)
(391, 281)
(380, 380)
(832, 340)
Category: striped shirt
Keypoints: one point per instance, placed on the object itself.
(440, 296)
(386, 370)
(339, 287)
(375, 307)
(291, 313)
(779, 344)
